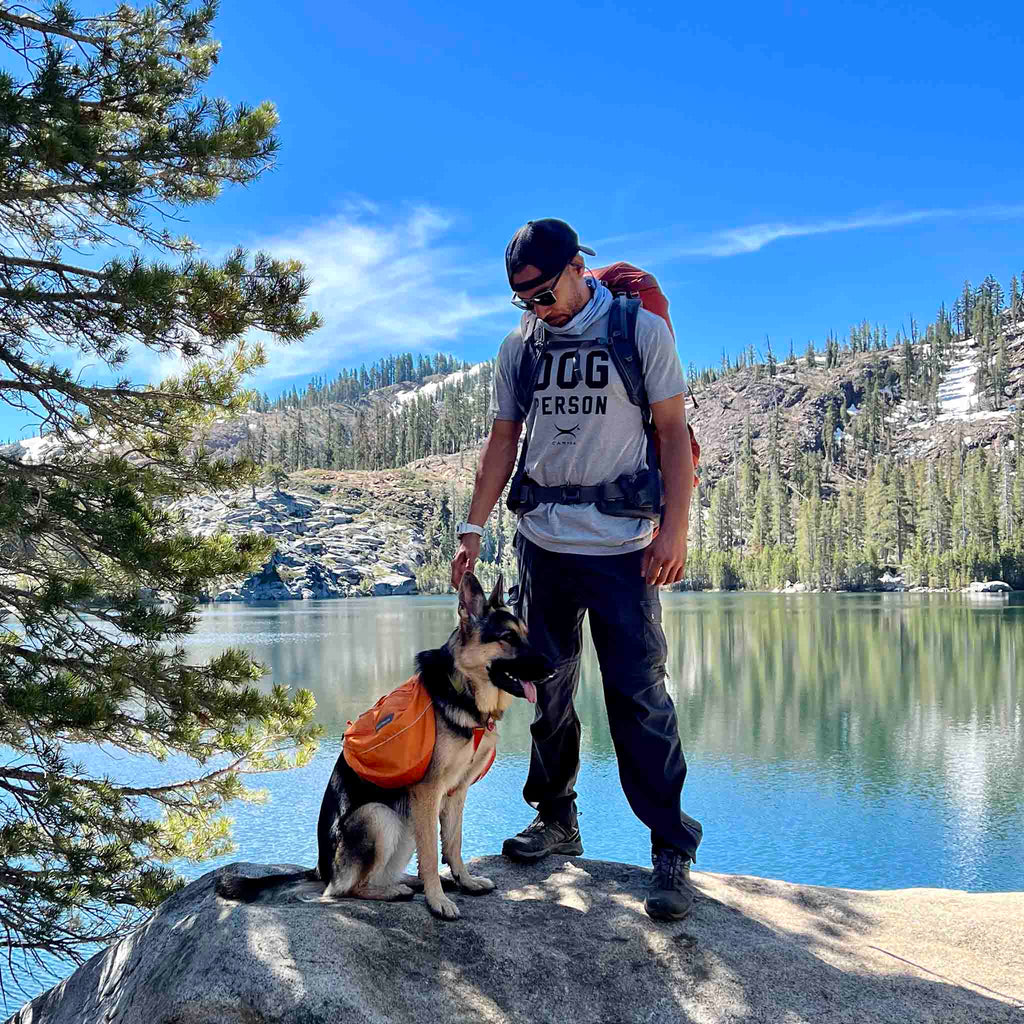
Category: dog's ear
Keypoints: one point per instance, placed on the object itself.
(471, 599)
(498, 593)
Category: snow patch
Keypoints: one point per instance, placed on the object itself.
(957, 391)
(431, 389)
(35, 450)
(958, 395)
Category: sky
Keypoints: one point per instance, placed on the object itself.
(785, 168)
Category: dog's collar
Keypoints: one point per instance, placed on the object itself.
(490, 724)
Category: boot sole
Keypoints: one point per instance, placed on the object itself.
(666, 915)
(565, 849)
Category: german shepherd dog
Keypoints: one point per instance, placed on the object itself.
(366, 834)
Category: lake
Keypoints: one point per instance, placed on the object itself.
(868, 741)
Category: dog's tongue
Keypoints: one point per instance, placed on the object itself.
(530, 692)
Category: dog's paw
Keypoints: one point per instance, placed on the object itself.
(443, 908)
(402, 892)
(476, 885)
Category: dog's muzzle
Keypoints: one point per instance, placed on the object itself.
(520, 676)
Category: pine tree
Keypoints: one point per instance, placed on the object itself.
(747, 482)
(898, 504)
(1006, 523)
(983, 508)
(104, 123)
(965, 309)
(880, 515)
(828, 433)
(936, 520)
(299, 451)
(808, 552)
(1000, 375)
(781, 528)
(1018, 482)
(761, 525)
(281, 448)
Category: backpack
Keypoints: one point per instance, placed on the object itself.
(632, 288)
(391, 744)
(625, 279)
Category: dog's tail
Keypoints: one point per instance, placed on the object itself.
(244, 889)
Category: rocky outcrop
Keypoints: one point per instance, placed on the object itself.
(989, 587)
(560, 941)
(325, 548)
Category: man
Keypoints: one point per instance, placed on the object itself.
(573, 558)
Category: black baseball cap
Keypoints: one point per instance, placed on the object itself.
(547, 244)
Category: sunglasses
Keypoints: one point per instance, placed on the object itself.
(544, 298)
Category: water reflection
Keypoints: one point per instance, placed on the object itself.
(873, 682)
(866, 741)
(870, 741)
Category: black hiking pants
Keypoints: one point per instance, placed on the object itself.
(625, 621)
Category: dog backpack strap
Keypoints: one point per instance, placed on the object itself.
(478, 735)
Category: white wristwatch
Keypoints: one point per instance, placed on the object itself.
(468, 528)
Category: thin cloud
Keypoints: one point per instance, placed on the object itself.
(381, 284)
(386, 284)
(754, 237)
(380, 288)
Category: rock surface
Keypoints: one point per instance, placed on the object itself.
(990, 587)
(324, 549)
(559, 941)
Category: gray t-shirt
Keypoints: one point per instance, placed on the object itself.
(586, 432)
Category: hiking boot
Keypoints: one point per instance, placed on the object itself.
(540, 838)
(671, 894)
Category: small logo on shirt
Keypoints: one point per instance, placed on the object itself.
(566, 431)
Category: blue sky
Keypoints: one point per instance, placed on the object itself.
(785, 168)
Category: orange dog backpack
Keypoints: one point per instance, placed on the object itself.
(391, 744)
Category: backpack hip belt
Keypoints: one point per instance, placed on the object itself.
(636, 496)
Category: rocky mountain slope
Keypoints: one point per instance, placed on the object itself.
(359, 532)
(802, 394)
(362, 532)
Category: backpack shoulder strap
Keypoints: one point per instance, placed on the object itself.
(534, 337)
(625, 354)
(536, 341)
(624, 351)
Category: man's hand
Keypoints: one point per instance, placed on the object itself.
(465, 558)
(665, 559)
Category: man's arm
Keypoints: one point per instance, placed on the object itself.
(665, 559)
(497, 462)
